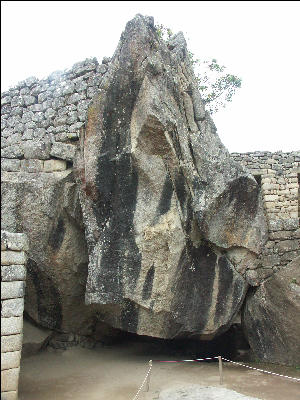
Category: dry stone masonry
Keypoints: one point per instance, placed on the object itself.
(137, 217)
(41, 119)
(271, 316)
(14, 247)
(278, 176)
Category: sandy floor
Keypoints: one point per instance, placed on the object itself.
(115, 373)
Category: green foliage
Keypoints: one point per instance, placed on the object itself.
(217, 87)
(163, 32)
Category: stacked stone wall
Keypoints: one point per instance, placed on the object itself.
(278, 175)
(41, 119)
(13, 274)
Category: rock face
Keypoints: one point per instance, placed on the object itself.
(271, 317)
(173, 224)
(46, 207)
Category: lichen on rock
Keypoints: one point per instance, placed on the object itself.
(164, 205)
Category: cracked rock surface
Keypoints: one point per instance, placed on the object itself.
(173, 225)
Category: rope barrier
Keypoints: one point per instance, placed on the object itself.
(261, 370)
(196, 359)
(204, 359)
(144, 381)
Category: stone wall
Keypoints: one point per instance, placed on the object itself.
(41, 119)
(278, 174)
(41, 122)
(13, 274)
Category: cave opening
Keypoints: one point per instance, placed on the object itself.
(232, 345)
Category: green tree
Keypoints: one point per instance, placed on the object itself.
(216, 86)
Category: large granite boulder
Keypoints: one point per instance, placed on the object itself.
(173, 224)
(46, 207)
(271, 317)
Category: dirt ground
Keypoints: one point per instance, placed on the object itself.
(116, 372)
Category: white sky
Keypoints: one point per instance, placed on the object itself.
(258, 41)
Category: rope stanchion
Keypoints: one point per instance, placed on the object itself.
(220, 370)
(261, 370)
(144, 381)
(147, 377)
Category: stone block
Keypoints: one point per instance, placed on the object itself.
(32, 165)
(102, 68)
(11, 326)
(276, 225)
(270, 186)
(63, 151)
(290, 255)
(75, 127)
(271, 197)
(270, 260)
(12, 290)
(10, 257)
(9, 380)
(29, 100)
(11, 395)
(12, 272)
(13, 151)
(293, 185)
(296, 234)
(11, 342)
(66, 136)
(11, 165)
(281, 235)
(10, 360)
(287, 245)
(270, 205)
(15, 241)
(5, 100)
(55, 165)
(37, 149)
(290, 224)
(12, 307)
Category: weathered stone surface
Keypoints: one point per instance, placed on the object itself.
(63, 151)
(55, 165)
(272, 317)
(9, 380)
(11, 343)
(12, 290)
(32, 165)
(11, 273)
(10, 360)
(12, 307)
(11, 395)
(9, 257)
(10, 164)
(46, 207)
(162, 199)
(11, 326)
(13, 151)
(37, 149)
(197, 392)
(34, 338)
(14, 241)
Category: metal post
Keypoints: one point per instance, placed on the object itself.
(220, 370)
(148, 377)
